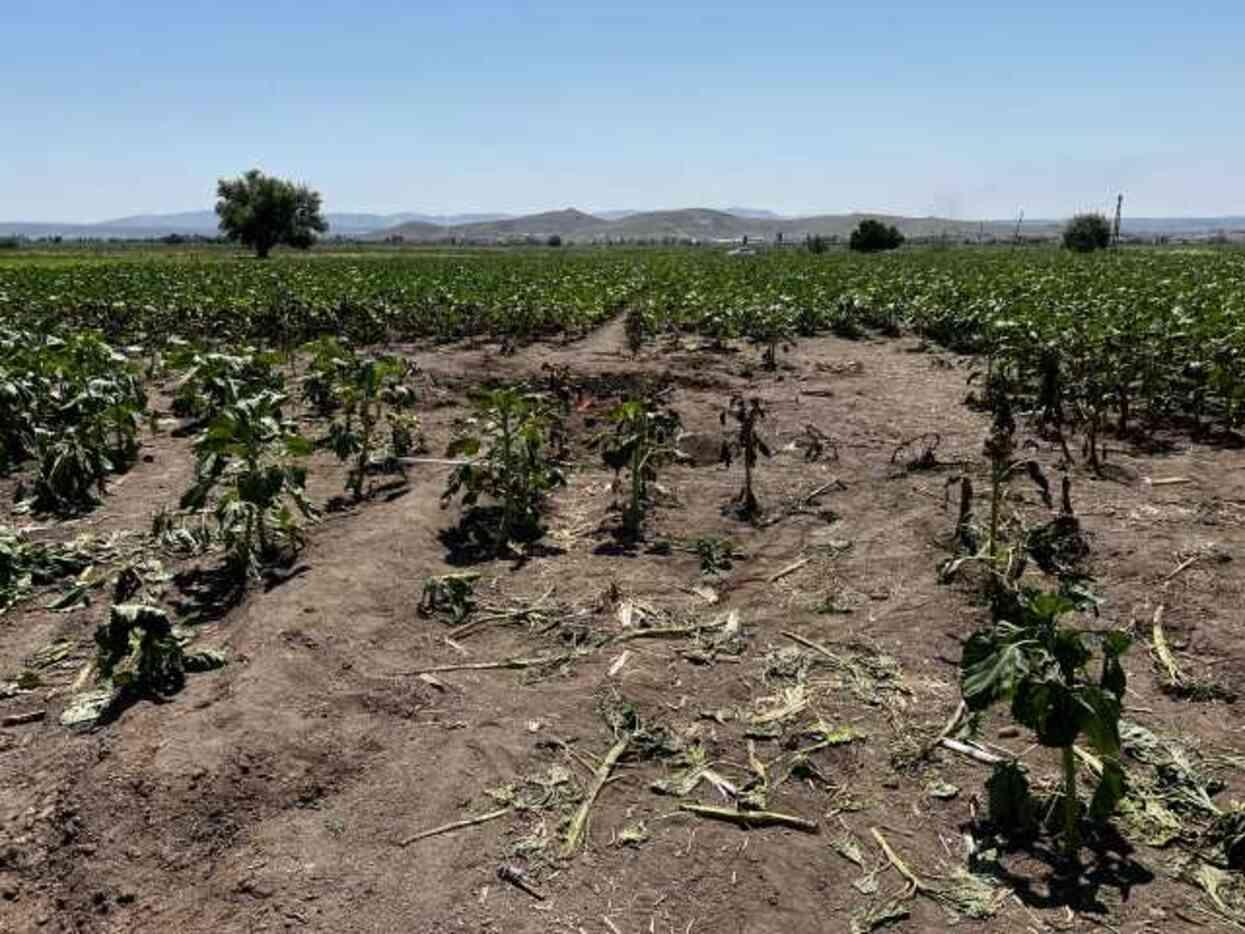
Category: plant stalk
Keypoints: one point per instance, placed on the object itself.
(1071, 835)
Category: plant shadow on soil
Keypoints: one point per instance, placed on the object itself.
(473, 540)
(1112, 867)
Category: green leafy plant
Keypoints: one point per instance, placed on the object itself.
(209, 381)
(508, 462)
(138, 655)
(248, 451)
(773, 326)
(361, 387)
(640, 441)
(1040, 668)
(716, 554)
(327, 358)
(74, 404)
(750, 444)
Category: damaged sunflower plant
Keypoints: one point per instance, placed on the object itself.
(1042, 669)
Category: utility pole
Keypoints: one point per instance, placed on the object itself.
(1020, 220)
(1115, 229)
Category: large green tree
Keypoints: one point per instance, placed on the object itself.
(872, 236)
(1087, 232)
(262, 212)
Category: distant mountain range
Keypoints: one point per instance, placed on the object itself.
(709, 225)
(203, 224)
(577, 226)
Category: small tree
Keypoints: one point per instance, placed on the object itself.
(1086, 233)
(872, 236)
(554, 240)
(262, 212)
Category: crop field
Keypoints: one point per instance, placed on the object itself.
(618, 590)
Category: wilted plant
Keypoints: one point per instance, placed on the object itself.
(406, 437)
(749, 442)
(212, 380)
(507, 462)
(328, 358)
(75, 405)
(815, 443)
(248, 450)
(450, 594)
(1005, 561)
(137, 652)
(641, 440)
(1041, 669)
(635, 327)
(25, 564)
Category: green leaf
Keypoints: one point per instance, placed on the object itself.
(1050, 710)
(1110, 792)
(298, 446)
(1045, 606)
(1100, 718)
(463, 447)
(991, 668)
(1070, 652)
(1113, 678)
(1116, 643)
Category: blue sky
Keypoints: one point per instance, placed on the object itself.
(961, 109)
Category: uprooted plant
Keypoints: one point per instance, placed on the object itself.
(138, 655)
(1040, 668)
(641, 441)
(749, 444)
(25, 564)
(507, 461)
(248, 450)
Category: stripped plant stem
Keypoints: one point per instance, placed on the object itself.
(504, 663)
(456, 825)
(575, 833)
(751, 818)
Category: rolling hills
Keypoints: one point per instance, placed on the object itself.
(575, 226)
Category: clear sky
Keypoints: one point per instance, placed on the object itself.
(961, 109)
